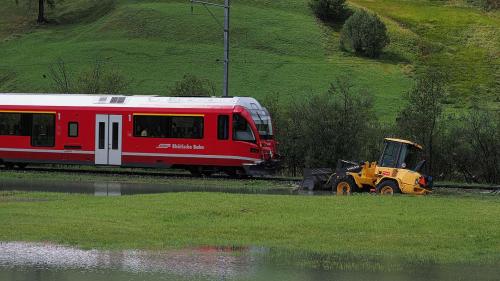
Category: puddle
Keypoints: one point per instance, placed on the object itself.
(44, 262)
(191, 263)
(118, 189)
(465, 191)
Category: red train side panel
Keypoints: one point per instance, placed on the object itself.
(194, 133)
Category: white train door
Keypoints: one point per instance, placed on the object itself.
(108, 139)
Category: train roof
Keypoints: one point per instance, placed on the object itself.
(140, 101)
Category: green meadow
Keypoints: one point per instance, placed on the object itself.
(427, 230)
(277, 47)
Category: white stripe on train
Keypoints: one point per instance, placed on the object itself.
(232, 157)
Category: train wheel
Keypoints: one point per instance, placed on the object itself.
(388, 188)
(235, 173)
(207, 173)
(231, 172)
(195, 171)
(21, 166)
(346, 186)
(9, 166)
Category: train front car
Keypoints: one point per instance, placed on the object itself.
(260, 122)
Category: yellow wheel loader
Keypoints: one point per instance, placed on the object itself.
(397, 171)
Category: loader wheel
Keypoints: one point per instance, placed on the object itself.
(346, 186)
(388, 187)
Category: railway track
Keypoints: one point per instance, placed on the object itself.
(144, 172)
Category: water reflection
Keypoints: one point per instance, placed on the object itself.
(44, 262)
(195, 263)
(118, 189)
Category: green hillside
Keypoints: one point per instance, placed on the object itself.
(277, 47)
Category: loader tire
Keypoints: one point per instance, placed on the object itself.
(345, 186)
(388, 187)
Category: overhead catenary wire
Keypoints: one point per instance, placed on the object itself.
(226, 6)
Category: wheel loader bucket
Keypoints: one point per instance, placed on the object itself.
(315, 179)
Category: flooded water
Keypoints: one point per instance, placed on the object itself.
(118, 189)
(48, 262)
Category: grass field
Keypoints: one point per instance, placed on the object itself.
(417, 229)
(277, 47)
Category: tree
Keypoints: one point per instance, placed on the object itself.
(41, 19)
(330, 10)
(419, 119)
(353, 118)
(487, 5)
(467, 146)
(482, 129)
(317, 131)
(60, 76)
(98, 79)
(192, 86)
(365, 34)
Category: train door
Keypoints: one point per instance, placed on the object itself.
(108, 139)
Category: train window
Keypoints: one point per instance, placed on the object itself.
(114, 136)
(102, 134)
(223, 127)
(181, 127)
(73, 129)
(241, 129)
(43, 130)
(15, 124)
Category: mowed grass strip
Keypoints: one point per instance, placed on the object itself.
(419, 229)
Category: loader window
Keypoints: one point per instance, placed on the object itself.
(409, 157)
(390, 156)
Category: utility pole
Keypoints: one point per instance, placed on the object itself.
(226, 6)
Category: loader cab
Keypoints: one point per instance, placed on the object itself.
(401, 154)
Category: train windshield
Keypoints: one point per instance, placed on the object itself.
(262, 121)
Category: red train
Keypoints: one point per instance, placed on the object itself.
(203, 135)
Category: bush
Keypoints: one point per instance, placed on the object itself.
(97, 79)
(481, 132)
(420, 119)
(330, 10)
(486, 5)
(365, 34)
(317, 131)
(192, 86)
(466, 149)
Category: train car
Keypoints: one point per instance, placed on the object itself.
(203, 135)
